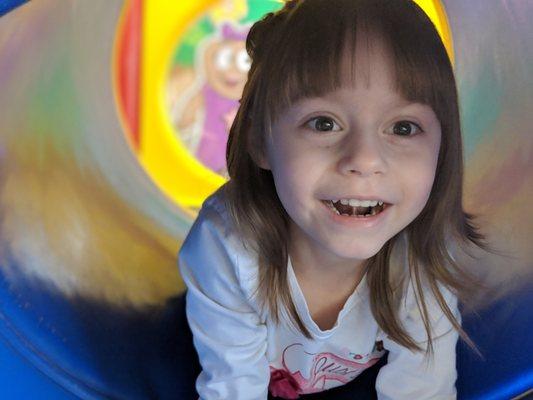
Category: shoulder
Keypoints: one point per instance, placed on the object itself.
(215, 224)
(214, 210)
(411, 315)
(212, 232)
(213, 254)
(411, 297)
(403, 279)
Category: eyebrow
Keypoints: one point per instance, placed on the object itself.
(398, 103)
(300, 106)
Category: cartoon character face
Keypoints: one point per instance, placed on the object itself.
(227, 65)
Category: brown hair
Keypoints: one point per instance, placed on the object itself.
(296, 52)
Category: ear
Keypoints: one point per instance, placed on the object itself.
(258, 154)
(260, 158)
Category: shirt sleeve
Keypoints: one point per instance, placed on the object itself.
(413, 375)
(228, 333)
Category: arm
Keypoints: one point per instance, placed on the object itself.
(227, 332)
(412, 375)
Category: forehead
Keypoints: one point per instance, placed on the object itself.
(365, 74)
(367, 63)
(368, 52)
(363, 66)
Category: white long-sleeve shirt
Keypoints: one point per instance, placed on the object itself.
(242, 350)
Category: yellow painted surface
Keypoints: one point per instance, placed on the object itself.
(177, 173)
(435, 10)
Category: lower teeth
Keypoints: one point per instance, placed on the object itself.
(372, 212)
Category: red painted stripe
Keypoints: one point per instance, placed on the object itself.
(129, 68)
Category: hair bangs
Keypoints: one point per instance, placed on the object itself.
(307, 59)
(422, 68)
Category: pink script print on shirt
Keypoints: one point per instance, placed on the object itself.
(325, 367)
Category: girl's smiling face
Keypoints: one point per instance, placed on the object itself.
(362, 141)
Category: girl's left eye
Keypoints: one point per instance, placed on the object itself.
(323, 124)
(406, 128)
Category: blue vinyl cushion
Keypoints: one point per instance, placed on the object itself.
(8, 5)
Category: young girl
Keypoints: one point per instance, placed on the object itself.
(331, 245)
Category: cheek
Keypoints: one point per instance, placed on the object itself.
(294, 176)
(417, 173)
(290, 178)
(431, 165)
(287, 163)
(424, 183)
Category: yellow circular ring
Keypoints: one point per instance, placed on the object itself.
(179, 175)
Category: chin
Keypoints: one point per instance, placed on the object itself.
(362, 253)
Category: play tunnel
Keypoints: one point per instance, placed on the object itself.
(113, 124)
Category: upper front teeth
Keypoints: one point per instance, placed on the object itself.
(360, 203)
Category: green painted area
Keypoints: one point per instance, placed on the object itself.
(185, 53)
(186, 50)
(480, 109)
(53, 111)
(258, 8)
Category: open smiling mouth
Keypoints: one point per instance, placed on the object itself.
(355, 211)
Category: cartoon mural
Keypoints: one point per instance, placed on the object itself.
(205, 110)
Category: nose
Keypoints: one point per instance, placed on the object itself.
(362, 153)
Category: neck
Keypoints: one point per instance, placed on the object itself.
(309, 261)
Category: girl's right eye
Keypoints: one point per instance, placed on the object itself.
(323, 124)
